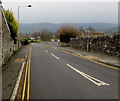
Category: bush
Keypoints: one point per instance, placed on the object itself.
(35, 41)
(66, 32)
(25, 41)
(12, 23)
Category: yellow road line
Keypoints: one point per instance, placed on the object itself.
(28, 90)
(87, 59)
(27, 74)
(23, 94)
(30, 69)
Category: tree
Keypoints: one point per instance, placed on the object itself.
(66, 32)
(12, 23)
(91, 29)
(44, 35)
(35, 35)
(81, 29)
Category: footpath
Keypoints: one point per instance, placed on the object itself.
(109, 60)
(10, 71)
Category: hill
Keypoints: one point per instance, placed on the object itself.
(29, 28)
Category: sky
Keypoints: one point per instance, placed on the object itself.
(64, 11)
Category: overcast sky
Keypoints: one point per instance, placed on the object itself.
(65, 12)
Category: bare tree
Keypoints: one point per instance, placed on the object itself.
(35, 35)
(81, 29)
(91, 29)
(44, 35)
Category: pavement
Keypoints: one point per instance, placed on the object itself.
(56, 74)
(11, 70)
(110, 60)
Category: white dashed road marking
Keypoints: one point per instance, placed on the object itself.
(46, 50)
(55, 56)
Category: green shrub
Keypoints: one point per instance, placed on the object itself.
(35, 41)
(12, 23)
(25, 41)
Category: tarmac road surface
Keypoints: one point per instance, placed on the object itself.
(58, 75)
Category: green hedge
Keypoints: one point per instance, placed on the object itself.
(12, 23)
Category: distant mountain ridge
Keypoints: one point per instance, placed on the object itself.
(30, 28)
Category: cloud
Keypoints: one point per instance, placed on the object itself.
(66, 12)
(60, 1)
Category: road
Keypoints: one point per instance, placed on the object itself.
(58, 75)
(0, 85)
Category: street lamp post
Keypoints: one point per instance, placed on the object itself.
(19, 21)
(21, 7)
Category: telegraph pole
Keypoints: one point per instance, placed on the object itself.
(88, 45)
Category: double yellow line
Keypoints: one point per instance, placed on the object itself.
(27, 78)
(87, 59)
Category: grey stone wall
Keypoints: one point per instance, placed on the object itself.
(109, 45)
(8, 46)
(0, 38)
(0, 56)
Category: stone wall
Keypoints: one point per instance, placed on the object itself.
(0, 38)
(7, 43)
(109, 45)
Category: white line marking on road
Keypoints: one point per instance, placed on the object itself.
(14, 93)
(26, 57)
(92, 79)
(46, 50)
(55, 56)
(79, 54)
